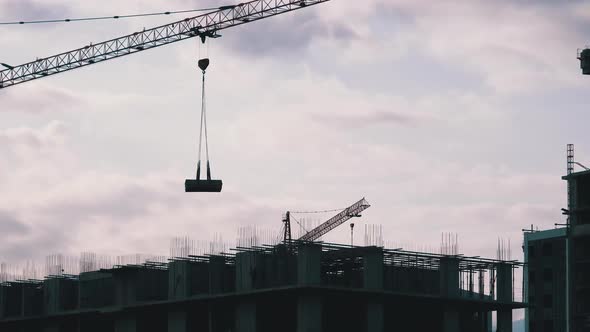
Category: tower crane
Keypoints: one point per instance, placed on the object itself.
(203, 26)
(343, 216)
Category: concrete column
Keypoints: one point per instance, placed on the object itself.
(246, 316)
(309, 314)
(504, 282)
(51, 294)
(246, 271)
(177, 321)
(51, 328)
(178, 288)
(449, 277)
(308, 264)
(373, 280)
(246, 276)
(125, 288)
(449, 288)
(483, 321)
(126, 324)
(375, 316)
(216, 274)
(451, 320)
(373, 269)
(2, 301)
(178, 280)
(309, 306)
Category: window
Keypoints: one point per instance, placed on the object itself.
(548, 301)
(532, 277)
(531, 251)
(547, 249)
(548, 275)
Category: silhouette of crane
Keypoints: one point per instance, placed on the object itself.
(350, 212)
(203, 26)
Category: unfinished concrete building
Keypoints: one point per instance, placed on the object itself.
(578, 248)
(545, 280)
(299, 287)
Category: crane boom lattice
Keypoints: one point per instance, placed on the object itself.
(352, 211)
(203, 26)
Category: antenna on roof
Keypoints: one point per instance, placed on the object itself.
(570, 159)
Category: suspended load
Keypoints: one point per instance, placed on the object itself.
(585, 61)
(197, 185)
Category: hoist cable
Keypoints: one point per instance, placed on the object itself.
(97, 18)
(301, 225)
(205, 117)
(201, 127)
(321, 211)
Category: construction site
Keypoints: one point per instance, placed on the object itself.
(298, 285)
(293, 283)
(301, 284)
(293, 286)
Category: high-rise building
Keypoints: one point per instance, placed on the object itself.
(545, 280)
(578, 248)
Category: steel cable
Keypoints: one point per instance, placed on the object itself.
(97, 18)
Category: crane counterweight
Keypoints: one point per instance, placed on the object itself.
(584, 57)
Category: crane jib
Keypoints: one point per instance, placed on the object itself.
(205, 25)
(350, 212)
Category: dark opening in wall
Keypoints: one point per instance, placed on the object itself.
(547, 249)
(548, 301)
(547, 275)
(548, 325)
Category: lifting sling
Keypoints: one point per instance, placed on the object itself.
(199, 185)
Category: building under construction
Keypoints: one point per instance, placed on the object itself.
(294, 286)
(578, 245)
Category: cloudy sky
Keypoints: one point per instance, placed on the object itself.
(448, 116)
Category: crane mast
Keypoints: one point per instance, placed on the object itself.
(203, 26)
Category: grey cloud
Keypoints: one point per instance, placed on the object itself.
(18, 99)
(53, 133)
(129, 201)
(36, 246)
(369, 118)
(286, 36)
(27, 10)
(10, 225)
